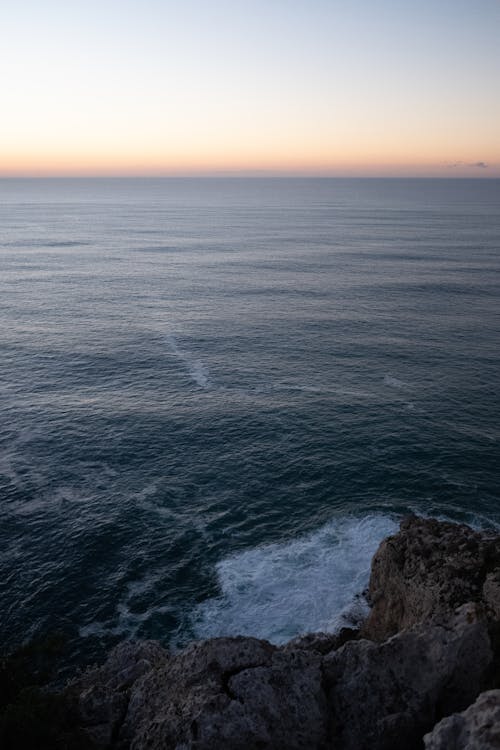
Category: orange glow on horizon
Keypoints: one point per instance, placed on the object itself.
(122, 165)
(343, 154)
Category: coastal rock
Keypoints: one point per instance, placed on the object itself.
(234, 693)
(437, 584)
(243, 693)
(385, 696)
(321, 643)
(101, 694)
(477, 728)
(491, 593)
(427, 570)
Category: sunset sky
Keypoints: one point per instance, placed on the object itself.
(333, 87)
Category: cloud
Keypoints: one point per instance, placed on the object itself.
(478, 164)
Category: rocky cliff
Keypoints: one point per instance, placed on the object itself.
(422, 671)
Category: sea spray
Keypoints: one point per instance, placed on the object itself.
(311, 583)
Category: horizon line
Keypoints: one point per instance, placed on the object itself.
(241, 175)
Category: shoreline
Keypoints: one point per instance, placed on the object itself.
(421, 671)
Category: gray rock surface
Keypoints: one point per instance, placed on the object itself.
(384, 696)
(321, 643)
(477, 728)
(220, 693)
(239, 693)
(101, 694)
(427, 570)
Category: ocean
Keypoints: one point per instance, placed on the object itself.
(219, 395)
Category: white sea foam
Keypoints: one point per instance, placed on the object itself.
(325, 389)
(127, 622)
(199, 373)
(313, 583)
(395, 382)
(196, 369)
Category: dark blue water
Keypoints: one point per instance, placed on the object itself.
(219, 395)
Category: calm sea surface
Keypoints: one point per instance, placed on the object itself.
(217, 396)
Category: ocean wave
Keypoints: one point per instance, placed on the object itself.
(312, 583)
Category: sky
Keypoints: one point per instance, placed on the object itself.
(316, 87)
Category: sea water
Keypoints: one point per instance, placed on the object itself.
(219, 395)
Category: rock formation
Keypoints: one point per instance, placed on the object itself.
(427, 570)
(429, 648)
(477, 728)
